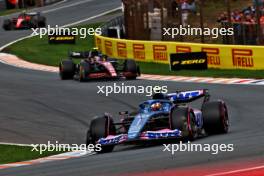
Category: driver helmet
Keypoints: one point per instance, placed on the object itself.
(91, 60)
(97, 58)
(23, 13)
(156, 106)
(94, 52)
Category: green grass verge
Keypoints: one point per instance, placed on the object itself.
(39, 51)
(10, 154)
(8, 12)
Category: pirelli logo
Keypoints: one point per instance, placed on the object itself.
(213, 56)
(183, 49)
(109, 48)
(139, 51)
(160, 52)
(122, 50)
(243, 58)
(99, 44)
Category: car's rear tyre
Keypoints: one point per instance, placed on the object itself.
(84, 71)
(183, 119)
(33, 23)
(131, 68)
(101, 127)
(41, 21)
(67, 69)
(215, 117)
(7, 25)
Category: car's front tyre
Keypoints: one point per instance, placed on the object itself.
(84, 71)
(131, 69)
(7, 25)
(183, 119)
(215, 117)
(67, 69)
(101, 127)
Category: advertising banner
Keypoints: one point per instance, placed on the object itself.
(218, 56)
(11, 4)
(188, 61)
(61, 39)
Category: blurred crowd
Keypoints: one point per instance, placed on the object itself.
(11, 4)
(247, 16)
(186, 6)
(245, 23)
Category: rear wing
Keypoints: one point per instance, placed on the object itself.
(184, 96)
(189, 96)
(84, 54)
(80, 54)
(32, 13)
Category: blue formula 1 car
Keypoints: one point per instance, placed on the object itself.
(165, 116)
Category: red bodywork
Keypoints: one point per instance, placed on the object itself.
(18, 22)
(110, 71)
(14, 2)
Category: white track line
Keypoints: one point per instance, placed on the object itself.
(261, 83)
(66, 6)
(59, 157)
(67, 25)
(11, 43)
(237, 171)
(17, 62)
(93, 17)
(58, 3)
(36, 9)
(15, 144)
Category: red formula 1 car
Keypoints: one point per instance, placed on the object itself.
(95, 65)
(25, 21)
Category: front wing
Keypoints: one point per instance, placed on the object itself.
(145, 136)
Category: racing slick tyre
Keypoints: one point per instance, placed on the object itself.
(7, 25)
(67, 69)
(84, 71)
(33, 23)
(131, 67)
(183, 119)
(99, 128)
(215, 117)
(41, 21)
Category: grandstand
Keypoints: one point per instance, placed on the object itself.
(145, 19)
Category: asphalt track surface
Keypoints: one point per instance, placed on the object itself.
(37, 107)
(62, 14)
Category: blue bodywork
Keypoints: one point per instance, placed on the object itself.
(145, 113)
(135, 131)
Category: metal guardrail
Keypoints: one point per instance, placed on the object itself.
(2, 5)
(45, 2)
(117, 21)
(244, 34)
(48, 2)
